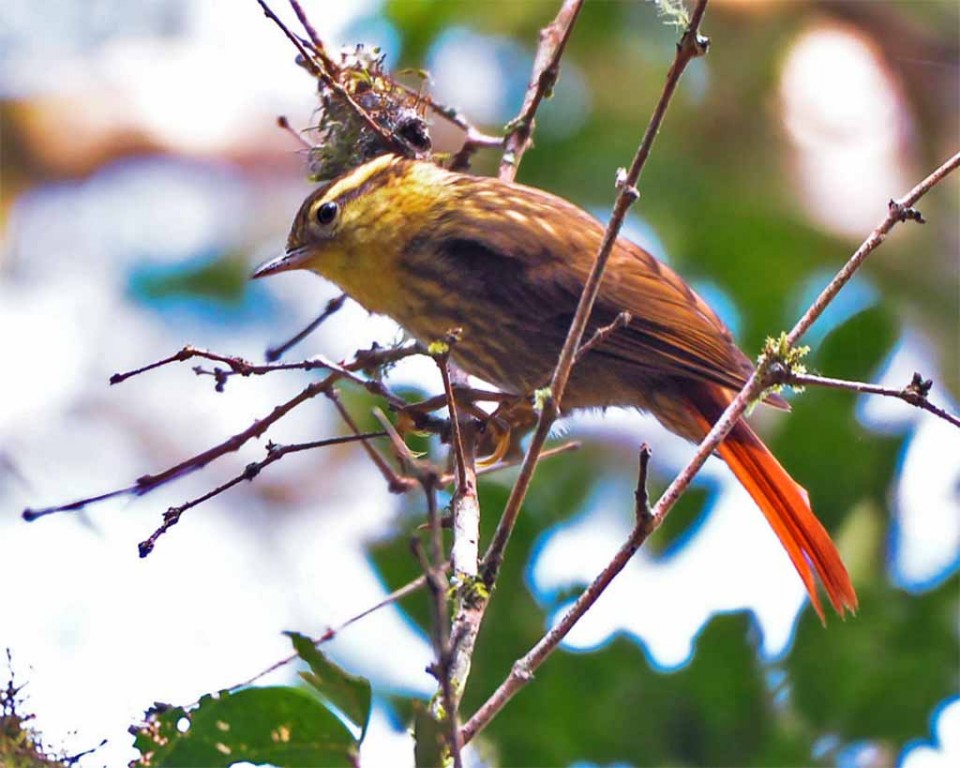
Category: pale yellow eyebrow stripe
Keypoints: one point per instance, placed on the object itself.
(359, 176)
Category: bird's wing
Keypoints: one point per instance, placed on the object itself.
(540, 240)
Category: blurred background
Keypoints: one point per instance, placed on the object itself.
(143, 175)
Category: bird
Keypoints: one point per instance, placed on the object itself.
(506, 264)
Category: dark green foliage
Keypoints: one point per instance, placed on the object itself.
(274, 726)
(879, 676)
(348, 694)
(223, 280)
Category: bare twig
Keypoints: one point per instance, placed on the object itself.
(275, 452)
(691, 46)
(565, 448)
(284, 124)
(438, 586)
(318, 47)
(398, 594)
(641, 496)
(546, 70)
(443, 363)
(365, 360)
(333, 306)
(147, 483)
(322, 70)
(899, 211)
(602, 334)
(474, 140)
(395, 482)
(915, 393)
(524, 668)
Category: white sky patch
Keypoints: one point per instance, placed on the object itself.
(944, 750)
(926, 541)
(475, 72)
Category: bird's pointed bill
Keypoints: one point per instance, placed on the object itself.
(290, 260)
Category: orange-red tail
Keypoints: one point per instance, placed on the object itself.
(786, 506)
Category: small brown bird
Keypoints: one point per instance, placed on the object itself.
(506, 263)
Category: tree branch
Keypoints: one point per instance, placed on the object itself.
(546, 70)
(275, 452)
(898, 211)
(691, 46)
(258, 428)
(438, 587)
(398, 594)
(333, 306)
(915, 393)
(524, 668)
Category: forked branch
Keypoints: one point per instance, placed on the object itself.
(899, 211)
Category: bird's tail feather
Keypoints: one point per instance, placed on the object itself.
(786, 507)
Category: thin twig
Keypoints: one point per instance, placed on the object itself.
(443, 363)
(691, 46)
(320, 70)
(407, 589)
(641, 495)
(915, 393)
(148, 483)
(275, 452)
(284, 124)
(473, 141)
(333, 306)
(524, 668)
(898, 211)
(318, 47)
(546, 70)
(364, 360)
(622, 320)
(395, 482)
(438, 586)
(565, 448)
(404, 455)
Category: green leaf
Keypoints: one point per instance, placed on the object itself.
(276, 726)
(879, 675)
(611, 706)
(349, 694)
(223, 279)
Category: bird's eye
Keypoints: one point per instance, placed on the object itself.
(326, 213)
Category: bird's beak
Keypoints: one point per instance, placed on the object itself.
(295, 259)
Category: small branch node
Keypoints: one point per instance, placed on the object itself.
(623, 185)
(522, 672)
(642, 509)
(919, 387)
(602, 334)
(904, 213)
